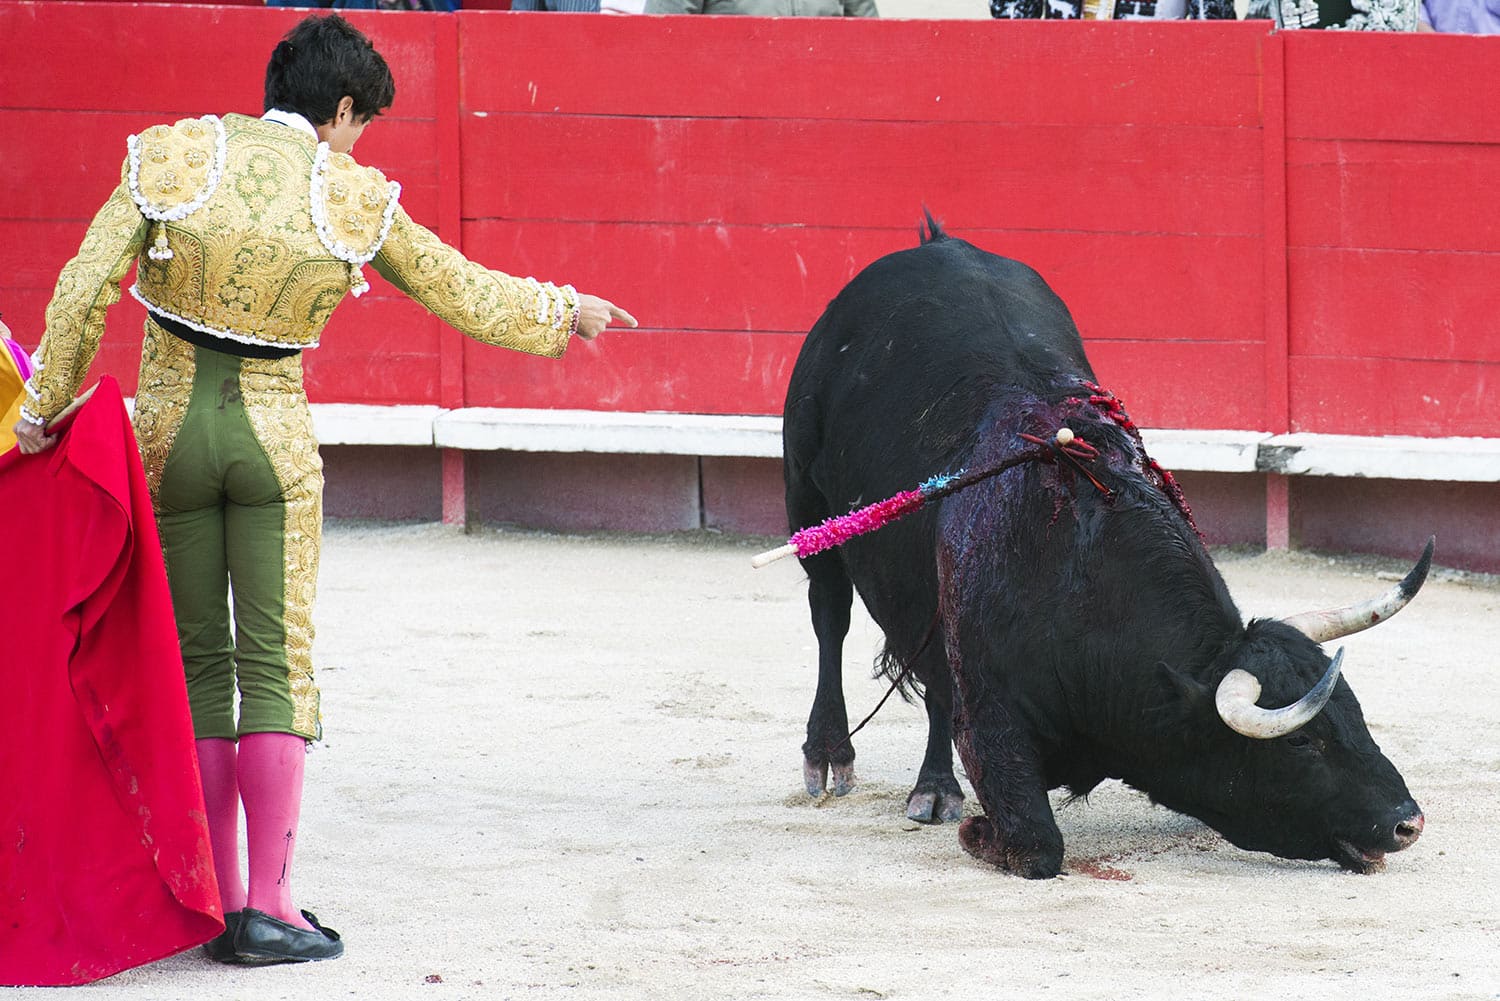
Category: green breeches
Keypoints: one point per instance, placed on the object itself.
(234, 472)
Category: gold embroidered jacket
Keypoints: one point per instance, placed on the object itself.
(252, 231)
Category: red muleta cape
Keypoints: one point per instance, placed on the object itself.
(104, 852)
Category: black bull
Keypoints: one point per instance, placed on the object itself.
(1063, 620)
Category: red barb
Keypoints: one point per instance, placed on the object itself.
(1076, 451)
(1112, 408)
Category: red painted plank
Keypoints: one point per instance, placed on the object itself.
(858, 68)
(1183, 385)
(1341, 395)
(689, 277)
(139, 58)
(382, 323)
(156, 58)
(1197, 288)
(675, 371)
(1394, 195)
(1113, 178)
(1388, 85)
(780, 278)
(1164, 384)
(1275, 412)
(342, 371)
(450, 210)
(63, 165)
(1395, 304)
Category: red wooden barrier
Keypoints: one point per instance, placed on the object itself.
(1272, 231)
(1394, 233)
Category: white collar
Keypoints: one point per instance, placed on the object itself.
(290, 118)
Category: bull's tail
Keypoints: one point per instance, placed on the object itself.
(900, 668)
(898, 671)
(931, 229)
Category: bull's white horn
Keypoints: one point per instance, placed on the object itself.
(1333, 623)
(1237, 693)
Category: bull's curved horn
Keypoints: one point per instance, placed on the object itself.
(1333, 623)
(1237, 693)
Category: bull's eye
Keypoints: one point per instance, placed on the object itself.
(1305, 743)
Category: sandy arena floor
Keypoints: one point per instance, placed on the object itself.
(569, 767)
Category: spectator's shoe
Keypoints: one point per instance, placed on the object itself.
(221, 947)
(264, 939)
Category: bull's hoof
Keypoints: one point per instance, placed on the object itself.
(937, 801)
(815, 776)
(980, 839)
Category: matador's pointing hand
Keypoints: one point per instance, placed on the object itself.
(594, 314)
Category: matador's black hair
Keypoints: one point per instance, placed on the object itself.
(320, 61)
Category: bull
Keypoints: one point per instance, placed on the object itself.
(1063, 620)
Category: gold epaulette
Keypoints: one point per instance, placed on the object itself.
(352, 208)
(174, 170)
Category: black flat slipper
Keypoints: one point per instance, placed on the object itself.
(262, 938)
(220, 948)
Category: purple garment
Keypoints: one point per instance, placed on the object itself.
(1467, 17)
(23, 363)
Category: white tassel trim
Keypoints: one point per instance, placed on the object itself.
(551, 303)
(357, 284)
(539, 300)
(159, 251)
(338, 248)
(210, 184)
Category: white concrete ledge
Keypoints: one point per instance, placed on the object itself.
(598, 431)
(1208, 451)
(1204, 451)
(364, 424)
(1473, 460)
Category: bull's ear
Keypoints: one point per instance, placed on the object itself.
(1188, 693)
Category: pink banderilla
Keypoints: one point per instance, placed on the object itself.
(841, 528)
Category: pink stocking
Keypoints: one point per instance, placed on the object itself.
(270, 776)
(221, 796)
